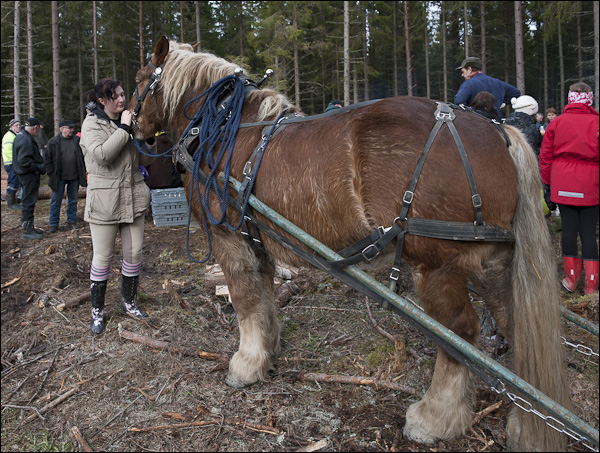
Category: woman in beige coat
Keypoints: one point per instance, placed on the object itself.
(117, 197)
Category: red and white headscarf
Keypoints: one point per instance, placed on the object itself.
(581, 98)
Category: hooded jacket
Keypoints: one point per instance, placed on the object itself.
(526, 124)
(569, 156)
(116, 191)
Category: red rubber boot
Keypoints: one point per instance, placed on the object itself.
(573, 267)
(591, 277)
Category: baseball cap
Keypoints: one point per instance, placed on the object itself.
(32, 122)
(470, 61)
(66, 123)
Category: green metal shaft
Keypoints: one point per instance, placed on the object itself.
(571, 421)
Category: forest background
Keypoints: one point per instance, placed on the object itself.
(54, 52)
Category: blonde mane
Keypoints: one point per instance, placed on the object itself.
(198, 71)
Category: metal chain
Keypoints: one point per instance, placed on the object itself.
(581, 348)
(552, 422)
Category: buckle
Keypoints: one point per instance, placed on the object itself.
(395, 274)
(408, 197)
(195, 131)
(247, 170)
(366, 250)
(476, 200)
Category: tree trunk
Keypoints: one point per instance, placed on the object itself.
(198, 38)
(407, 49)
(444, 50)
(80, 72)
(395, 56)
(141, 36)
(296, 60)
(365, 56)
(95, 42)
(579, 49)
(427, 75)
(520, 61)
(597, 54)
(545, 55)
(346, 52)
(16, 72)
(55, 67)
(30, 61)
(181, 21)
(561, 62)
(465, 10)
(483, 43)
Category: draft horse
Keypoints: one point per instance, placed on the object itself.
(341, 176)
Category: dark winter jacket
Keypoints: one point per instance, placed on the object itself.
(26, 155)
(526, 124)
(53, 161)
(569, 156)
(502, 91)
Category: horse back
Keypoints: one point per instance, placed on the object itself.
(341, 176)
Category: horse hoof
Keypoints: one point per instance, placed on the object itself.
(416, 434)
(234, 382)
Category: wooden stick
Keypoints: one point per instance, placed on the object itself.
(77, 434)
(374, 323)
(479, 416)
(174, 426)
(237, 422)
(53, 403)
(356, 380)
(163, 345)
(11, 282)
(74, 301)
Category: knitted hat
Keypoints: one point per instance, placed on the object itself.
(13, 121)
(525, 104)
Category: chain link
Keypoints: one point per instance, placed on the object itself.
(552, 422)
(581, 349)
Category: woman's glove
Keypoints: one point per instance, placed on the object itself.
(144, 172)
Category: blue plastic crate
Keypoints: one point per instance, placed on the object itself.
(177, 207)
(170, 219)
(171, 195)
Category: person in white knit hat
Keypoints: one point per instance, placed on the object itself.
(523, 118)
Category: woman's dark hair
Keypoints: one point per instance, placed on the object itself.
(485, 102)
(104, 89)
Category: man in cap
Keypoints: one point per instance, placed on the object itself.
(476, 81)
(66, 168)
(13, 183)
(29, 165)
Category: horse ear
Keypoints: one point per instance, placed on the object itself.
(161, 49)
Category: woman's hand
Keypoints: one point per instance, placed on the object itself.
(126, 117)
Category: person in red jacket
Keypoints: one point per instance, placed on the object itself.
(569, 171)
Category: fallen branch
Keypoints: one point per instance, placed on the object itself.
(356, 380)
(479, 416)
(79, 438)
(74, 301)
(54, 403)
(241, 423)
(163, 345)
(12, 282)
(174, 426)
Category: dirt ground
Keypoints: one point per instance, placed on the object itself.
(60, 382)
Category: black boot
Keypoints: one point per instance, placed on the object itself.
(98, 290)
(129, 287)
(29, 232)
(11, 202)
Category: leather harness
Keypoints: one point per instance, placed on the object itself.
(370, 246)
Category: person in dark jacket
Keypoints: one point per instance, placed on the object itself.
(333, 105)
(522, 118)
(66, 168)
(162, 173)
(476, 81)
(485, 105)
(29, 165)
(569, 170)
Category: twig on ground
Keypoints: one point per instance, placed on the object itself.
(479, 416)
(54, 403)
(374, 323)
(45, 376)
(79, 438)
(163, 345)
(75, 301)
(355, 380)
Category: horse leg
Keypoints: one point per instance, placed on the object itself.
(249, 273)
(446, 409)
